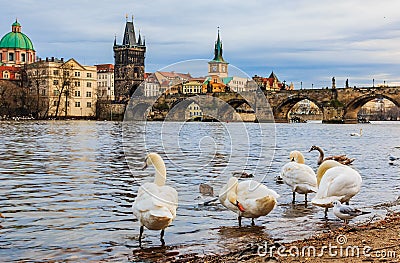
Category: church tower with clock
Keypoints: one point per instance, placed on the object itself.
(218, 66)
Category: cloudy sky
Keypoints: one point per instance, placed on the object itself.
(307, 41)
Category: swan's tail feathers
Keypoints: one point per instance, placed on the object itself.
(266, 203)
(162, 213)
(326, 201)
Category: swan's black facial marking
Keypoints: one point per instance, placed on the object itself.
(145, 164)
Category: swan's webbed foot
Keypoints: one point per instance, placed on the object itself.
(162, 238)
(140, 236)
(252, 222)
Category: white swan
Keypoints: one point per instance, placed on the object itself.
(300, 177)
(356, 134)
(155, 204)
(249, 198)
(336, 182)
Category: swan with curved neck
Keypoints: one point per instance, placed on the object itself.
(300, 177)
(356, 134)
(249, 198)
(161, 171)
(336, 182)
(155, 205)
(343, 159)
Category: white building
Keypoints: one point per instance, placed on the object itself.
(152, 87)
(238, 84)
(105, 82)
(192, 87)
(194, 112)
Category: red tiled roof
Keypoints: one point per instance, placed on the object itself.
(105, 67)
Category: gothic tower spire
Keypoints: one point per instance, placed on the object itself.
(218, 49)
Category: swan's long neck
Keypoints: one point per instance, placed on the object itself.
(232, 191)
(161, 173)
(321, 155)
(300, 158)
(324, 167)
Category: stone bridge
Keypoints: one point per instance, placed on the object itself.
(337, 105)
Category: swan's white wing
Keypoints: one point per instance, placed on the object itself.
(299, 177)
(251, 189)
(338, 183)
(256, 198)
(153, 199)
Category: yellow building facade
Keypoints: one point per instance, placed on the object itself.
(65, 89)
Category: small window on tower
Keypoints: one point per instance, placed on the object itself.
(10, 56)
(23, 58)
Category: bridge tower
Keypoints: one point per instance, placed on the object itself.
(128, 63)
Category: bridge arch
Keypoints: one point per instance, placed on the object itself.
(137, 111)
(282, 110)
(236, 103)
(352, 108)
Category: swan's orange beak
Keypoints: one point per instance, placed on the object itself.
(239, 205)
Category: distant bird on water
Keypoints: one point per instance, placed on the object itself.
(346, 212)
(343, 159)
(356, 134)
(393, 159)
(206, 189)
(155, 204)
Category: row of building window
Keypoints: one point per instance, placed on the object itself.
(56, 72)
(103, 76)
(77, 93)
(103, 84)
(11, 57)
(76, 83)
(78, 74)
(77, 104)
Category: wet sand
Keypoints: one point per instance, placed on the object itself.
(373, 241)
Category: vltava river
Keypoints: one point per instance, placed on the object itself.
(67, 187)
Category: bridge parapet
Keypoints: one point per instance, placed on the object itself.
(338, 105)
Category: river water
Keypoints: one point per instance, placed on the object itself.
(67, 187)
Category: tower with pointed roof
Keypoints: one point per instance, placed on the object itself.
(128, 63)
(218, 66)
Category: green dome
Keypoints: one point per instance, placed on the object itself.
(16, 24)
(16, 39)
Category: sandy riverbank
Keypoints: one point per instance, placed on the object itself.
(375, 241)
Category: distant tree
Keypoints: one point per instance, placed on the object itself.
(7, 98)
(65, 87)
